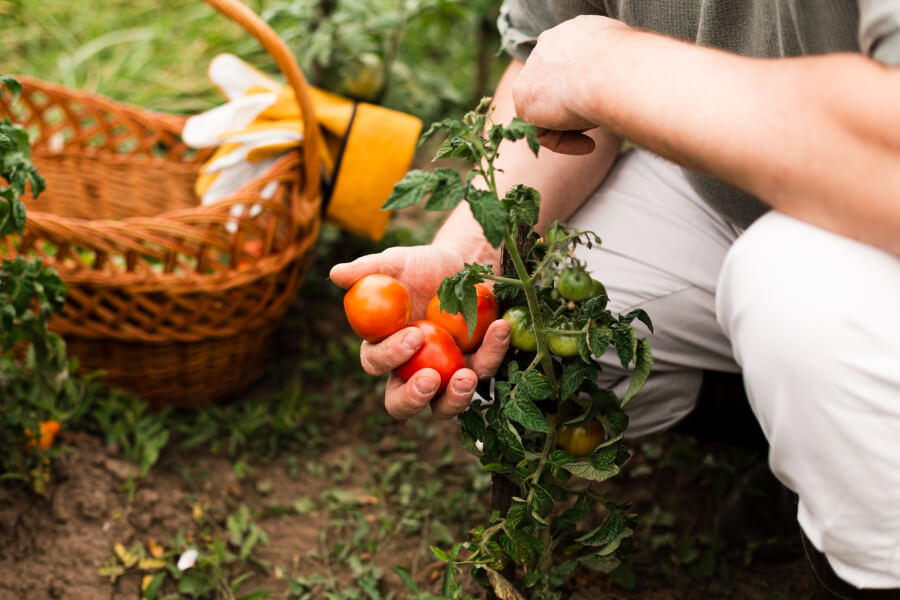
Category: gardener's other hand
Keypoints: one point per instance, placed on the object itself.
(421, 269)
(552, 90)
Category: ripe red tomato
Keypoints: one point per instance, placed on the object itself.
(377, 306)
(439, 352)
(456, 324)
(582, 440)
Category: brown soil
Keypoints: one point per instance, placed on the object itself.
(53, 547)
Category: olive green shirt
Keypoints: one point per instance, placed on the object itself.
(759, 28)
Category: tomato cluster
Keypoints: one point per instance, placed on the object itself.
(573, 284)
(378, 305)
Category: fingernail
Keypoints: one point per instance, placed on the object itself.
(464, 386)
(502, 336)
(413, 339)
(425, 385)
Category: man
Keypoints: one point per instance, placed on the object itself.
(760, 228)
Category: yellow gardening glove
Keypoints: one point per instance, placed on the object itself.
(365, 150)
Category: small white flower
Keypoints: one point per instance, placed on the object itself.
(187, 560)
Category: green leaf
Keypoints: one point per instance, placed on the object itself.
(409, 190)
(641, 315)
(516, 514)
(623, 576)
(602, 564)
(446, 190)
(152, 589)
(581, 510)
(599, 338)
(257, 595)
(439, 554)
(519, 128)
(606, 532)
(573, 376)
(587, 471)
(12, 84)
(642, 365)
(406, 578)
(194, 585)
(536, 386)
(625, 342)
(541, 501)
(605, 456)
(526, 413)
(523, 205)
(489, 213)
(457, 293)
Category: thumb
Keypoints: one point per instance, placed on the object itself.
(346, 274)
(565, 142)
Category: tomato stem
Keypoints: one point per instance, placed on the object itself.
(537, 321)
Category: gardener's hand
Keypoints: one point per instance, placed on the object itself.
(552, 90)
(421, 269)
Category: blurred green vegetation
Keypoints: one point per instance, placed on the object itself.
(437, 55)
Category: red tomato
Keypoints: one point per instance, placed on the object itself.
(439, 352)
(456, 324)
(377, 306)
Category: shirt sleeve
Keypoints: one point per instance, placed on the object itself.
(879, 30)
(522, 21)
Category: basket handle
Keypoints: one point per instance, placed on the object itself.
(279, 51)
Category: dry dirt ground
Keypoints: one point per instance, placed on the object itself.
(53, 547)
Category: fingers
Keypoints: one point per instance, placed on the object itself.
(565, 142)
(489, 355)
(346, 274)
(390, 353)
(405, 400)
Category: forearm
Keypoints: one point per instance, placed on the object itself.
(815, 137)
(564, 181)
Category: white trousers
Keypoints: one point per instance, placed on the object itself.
(812, 320)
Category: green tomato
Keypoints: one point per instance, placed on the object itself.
(574, 284)
(556, 232)
(597, 289)
(521, 331)
(563, 345)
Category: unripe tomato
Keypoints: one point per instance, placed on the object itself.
(582, 440)
(563, 345)
(597, 289)
(456, 324)
(521, 330)
(438, 352)
(377, 306)
(575, 285)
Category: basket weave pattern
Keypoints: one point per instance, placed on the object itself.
(173, 300)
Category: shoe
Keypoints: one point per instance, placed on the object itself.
(828, 586)
(759, 514)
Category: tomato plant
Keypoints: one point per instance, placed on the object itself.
(531, 545)
(376, 306)
(521, 330)
(438, 352)
(456, 323)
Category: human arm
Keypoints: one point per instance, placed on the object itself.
(815, 137)
(564, 182)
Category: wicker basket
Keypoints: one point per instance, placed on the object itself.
(173, 300)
